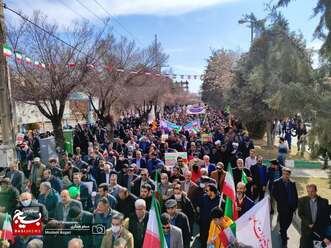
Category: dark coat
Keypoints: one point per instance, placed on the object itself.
(143, 163)
(237, 174)
(17, 179)
(281, 196)
(126, 206)
(124, 180)
(321, 223)
(133, 228)
(245, 205)
(206, 205)
(272, 176)
(111, 199)
(136, 188)
(56, 171)
(181, 221)
(187, 208)
(86, 218)
(32, 215)
(50, 201)
(59, 209)
(56, 183)
(257, 181)
(9, 199)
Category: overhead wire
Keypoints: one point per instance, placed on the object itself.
(118, 22)
(89, 10)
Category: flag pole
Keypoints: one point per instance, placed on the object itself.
(221, 199)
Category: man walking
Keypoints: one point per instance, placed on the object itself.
(286, 196)
(314, 214)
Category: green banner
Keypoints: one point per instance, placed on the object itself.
(68, 141)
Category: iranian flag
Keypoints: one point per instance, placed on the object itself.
(28, 60)
(229, 190)
(7, 52)
(37, 64)
(154, 236)
(227, 236)
(7, 230)
(18, 56)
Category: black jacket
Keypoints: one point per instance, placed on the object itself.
(181, 221)
(187, 208)
(133, 228)
(281, 196)
(322, 219)
(237, 174)
(126, 206)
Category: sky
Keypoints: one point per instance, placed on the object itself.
(188, 29)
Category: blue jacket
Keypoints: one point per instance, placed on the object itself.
(153, 165)
(50, 201)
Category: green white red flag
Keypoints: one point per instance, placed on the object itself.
(28, 60)
(18, 56)
(229, 190)
(7, 52)
(154, 236)
(7, 230)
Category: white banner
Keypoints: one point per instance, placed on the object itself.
(253, 228)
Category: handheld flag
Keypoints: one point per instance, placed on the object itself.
(7, 230)
(244, 177)
(154, 236)
(253, 227)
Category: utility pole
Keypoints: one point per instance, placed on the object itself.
(7, 154)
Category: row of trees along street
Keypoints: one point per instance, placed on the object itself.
(276, 79)
(50, 88)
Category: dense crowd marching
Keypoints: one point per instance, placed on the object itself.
(123, 172)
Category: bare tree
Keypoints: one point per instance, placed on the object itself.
(124, 77)
(61, 67)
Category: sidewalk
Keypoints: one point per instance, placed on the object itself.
(292, 233)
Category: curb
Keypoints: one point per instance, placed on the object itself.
(299, 164)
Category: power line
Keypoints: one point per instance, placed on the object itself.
(94, 14)
(46, 31)
(73, 11)
(88, 9)
(118, 22)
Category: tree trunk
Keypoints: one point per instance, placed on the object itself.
(58, 132)
(269, 134)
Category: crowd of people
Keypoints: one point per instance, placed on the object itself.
(109, 183)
